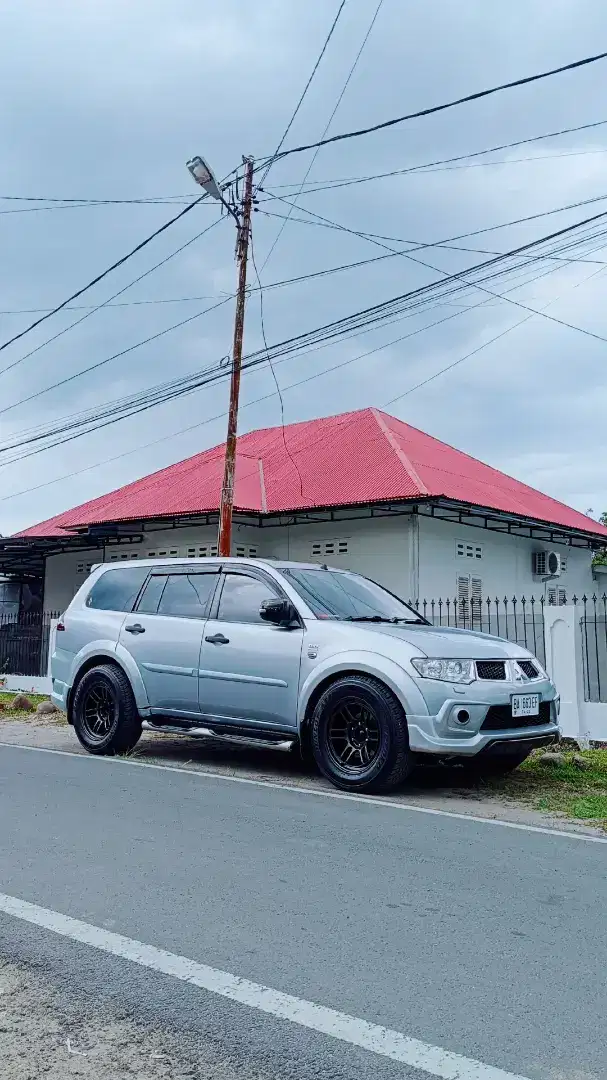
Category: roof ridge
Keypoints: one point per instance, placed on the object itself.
(479, 461)
(406, 463)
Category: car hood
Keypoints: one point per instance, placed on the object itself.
(447, 641)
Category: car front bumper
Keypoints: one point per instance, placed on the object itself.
(489, 724)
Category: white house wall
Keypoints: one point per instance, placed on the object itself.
(416, 559)
(504, 567)
(380, 548)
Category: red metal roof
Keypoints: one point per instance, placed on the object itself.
(354, 458)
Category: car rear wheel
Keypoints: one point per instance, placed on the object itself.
(104, 712)
(359, 736)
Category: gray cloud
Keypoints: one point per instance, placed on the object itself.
(108, 100)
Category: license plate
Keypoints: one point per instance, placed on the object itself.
(525, 704)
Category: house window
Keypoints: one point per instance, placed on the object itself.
(469, 602)
(164, 553)
(463, 550)
(202, 551)
(84, 568)
(322, 548)
(120, 556)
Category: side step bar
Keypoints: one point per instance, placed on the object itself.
(196, 732)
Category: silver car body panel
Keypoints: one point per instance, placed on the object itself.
(265, 676)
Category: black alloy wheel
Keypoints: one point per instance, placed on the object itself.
(359, 735)
(99, 711)
(353, 734)
(104, 712)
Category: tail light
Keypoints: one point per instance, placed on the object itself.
(60, 625)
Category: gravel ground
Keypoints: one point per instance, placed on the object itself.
(43, 1035)
(60, 1034)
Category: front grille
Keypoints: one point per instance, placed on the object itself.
(500, 717)
(491, 669)
(528, 668)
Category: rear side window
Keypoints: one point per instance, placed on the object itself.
(150, 597)
(117, 590)
(188, 595)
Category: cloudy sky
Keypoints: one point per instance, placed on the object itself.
(107, 99)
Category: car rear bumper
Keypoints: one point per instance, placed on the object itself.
(59, 695)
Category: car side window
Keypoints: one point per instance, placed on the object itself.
(242, 597)
(117, 589)
(150, 597)
(188, 595)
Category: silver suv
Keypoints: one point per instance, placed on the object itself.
(293, 656)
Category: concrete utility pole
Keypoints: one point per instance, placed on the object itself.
(203, 175)
(224, 542)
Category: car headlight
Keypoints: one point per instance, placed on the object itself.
(456, 671)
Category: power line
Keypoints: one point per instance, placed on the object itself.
(327, 126)
(189, 299)
(105, 303)
(491, 341)
(327, 223)
(274, 376)
(115, 356)
(291, 386)
(379, 313)
(446, 105)
(428, 165)
(305, 90)
(99, 277)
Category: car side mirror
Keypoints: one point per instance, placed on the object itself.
(278, 612)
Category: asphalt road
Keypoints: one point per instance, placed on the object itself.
(484, 941)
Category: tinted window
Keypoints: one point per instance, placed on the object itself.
(148, 601)
(188, 595)
(242, 597)
(117, 590)
(335, 595)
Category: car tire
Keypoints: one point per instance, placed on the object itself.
(487, 767)
(359, 736)
(104, 712)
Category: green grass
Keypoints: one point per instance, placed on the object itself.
(6, 699)
(564, 789)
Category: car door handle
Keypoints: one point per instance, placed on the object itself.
(217, 639)
(136, 628)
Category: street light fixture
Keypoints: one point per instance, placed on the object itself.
(203, 175)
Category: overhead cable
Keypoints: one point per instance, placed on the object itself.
(476, 96)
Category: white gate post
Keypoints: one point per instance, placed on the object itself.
(564, 665)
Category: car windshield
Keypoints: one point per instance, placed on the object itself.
(335, 594)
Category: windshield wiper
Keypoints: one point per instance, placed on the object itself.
(380, 618)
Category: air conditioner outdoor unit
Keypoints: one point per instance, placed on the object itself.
(547, 564)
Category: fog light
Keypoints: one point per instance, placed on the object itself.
(463, 716)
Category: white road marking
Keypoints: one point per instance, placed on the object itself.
(367, 800)
(350, 1029)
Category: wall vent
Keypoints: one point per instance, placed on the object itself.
(322, 548)
(463, 550)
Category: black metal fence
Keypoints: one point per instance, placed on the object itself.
(592, 629)
(519, 619)
(24, 639)
(24, 643)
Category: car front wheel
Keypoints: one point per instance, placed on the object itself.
(359, 736)
(104, 712)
